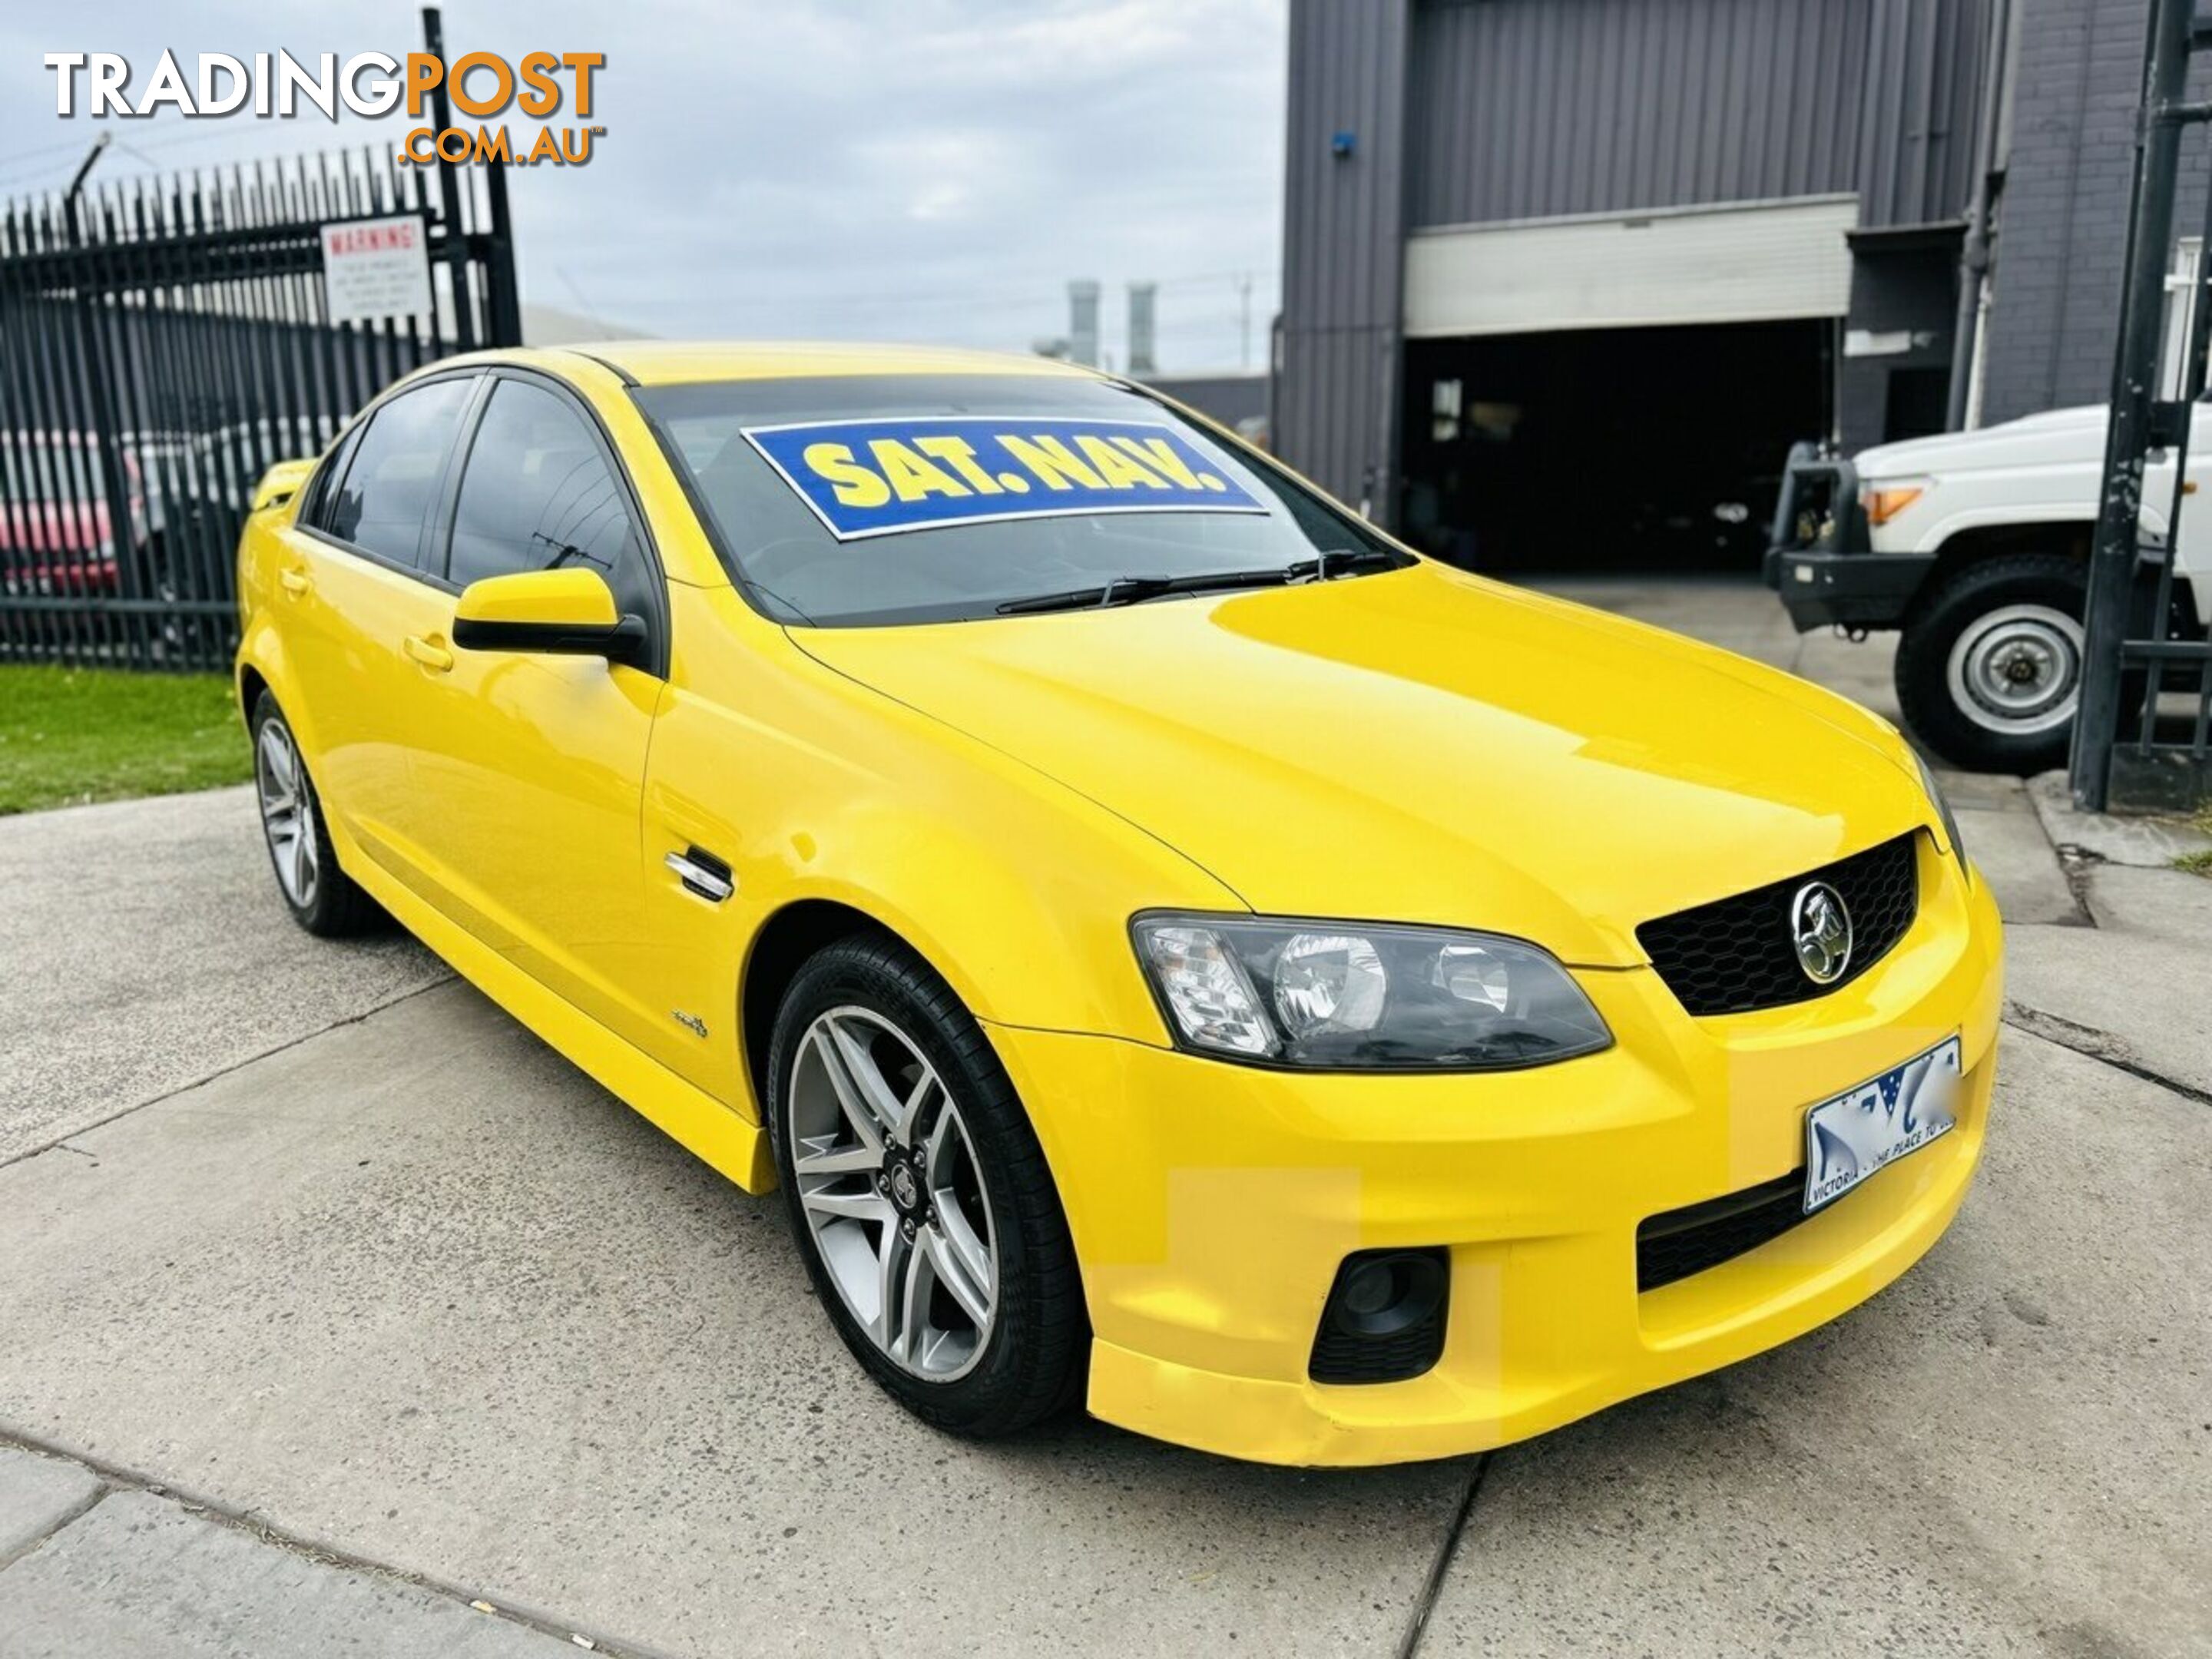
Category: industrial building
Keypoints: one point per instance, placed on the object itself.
(1564, 279)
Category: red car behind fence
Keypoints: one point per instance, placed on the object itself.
(56, 531)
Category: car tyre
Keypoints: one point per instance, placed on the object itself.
(1988, 664)
(871, 1005)
(322, 899)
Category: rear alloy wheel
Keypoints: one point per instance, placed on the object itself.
(321, 898)
(286, 820)
(919, 1195)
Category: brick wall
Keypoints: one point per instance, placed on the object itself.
(2063, 219)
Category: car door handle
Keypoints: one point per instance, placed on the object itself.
(295, 582)
(703, 875)
(429, 651)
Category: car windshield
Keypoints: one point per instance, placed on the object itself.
(869, 501)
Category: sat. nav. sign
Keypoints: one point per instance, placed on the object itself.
(874, 477)
(374, 269)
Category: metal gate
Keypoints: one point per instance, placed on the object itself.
(163, 341)
(2144, 736)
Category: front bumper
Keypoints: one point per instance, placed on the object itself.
(1821, 559)
(1212, 1204)
(1821, 586)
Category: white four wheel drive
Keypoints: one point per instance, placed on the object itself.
(1975, 546)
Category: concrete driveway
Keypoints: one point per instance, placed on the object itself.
(338, 1315)
(141, 954)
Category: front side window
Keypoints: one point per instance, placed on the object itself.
(537, 494)
(384, 501)
(867, 501)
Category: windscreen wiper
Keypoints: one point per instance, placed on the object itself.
(1122, 590)
(1325, 566)
(1331, 562)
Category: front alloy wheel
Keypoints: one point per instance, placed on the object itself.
(919, 1195)
(889, 1188)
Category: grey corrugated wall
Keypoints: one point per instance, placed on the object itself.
(1524, 109)
(1472, 111)
(1344, 244)
(1921, 104)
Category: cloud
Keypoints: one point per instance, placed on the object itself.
(934, 169)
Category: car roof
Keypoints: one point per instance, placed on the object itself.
(676, 363)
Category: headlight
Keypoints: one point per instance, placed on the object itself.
(1345, 996)
(1957, 848)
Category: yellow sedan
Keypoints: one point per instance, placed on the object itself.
(1175, 950)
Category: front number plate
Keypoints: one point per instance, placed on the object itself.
(1884, 1119)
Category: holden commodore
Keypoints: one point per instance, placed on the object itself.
(1176, 949)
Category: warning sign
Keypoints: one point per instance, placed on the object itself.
(374, 269)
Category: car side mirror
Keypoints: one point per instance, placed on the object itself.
(566, 613)
(281, 482)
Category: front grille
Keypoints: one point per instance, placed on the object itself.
(1736, 954)
(1688, 1241)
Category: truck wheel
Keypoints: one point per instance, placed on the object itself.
(1989, 665)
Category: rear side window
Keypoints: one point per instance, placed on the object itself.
(384, 499)
(316, 514)
(537, 494)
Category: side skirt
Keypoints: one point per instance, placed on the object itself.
(693, 1119)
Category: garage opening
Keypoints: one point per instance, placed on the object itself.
(1610, 449)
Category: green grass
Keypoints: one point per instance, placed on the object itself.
(70, 735)
(2200, 863)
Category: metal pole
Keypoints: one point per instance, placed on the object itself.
(1974, 254)
(99, 146)
(503, 304)
(115, 482)
(2135, 386)
(449, 192)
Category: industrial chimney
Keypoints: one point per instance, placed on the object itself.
(1083, 321)
(1142, 296)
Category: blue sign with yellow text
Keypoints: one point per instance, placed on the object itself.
(876, 476)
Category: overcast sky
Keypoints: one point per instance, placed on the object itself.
(895, 169)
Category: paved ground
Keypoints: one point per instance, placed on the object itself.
(142, 954)
(403, 1338)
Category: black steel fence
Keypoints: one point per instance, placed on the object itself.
(2144, 735)
(163, 342)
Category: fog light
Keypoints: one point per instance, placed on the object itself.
(1384, 1319)
(1370, 1291)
